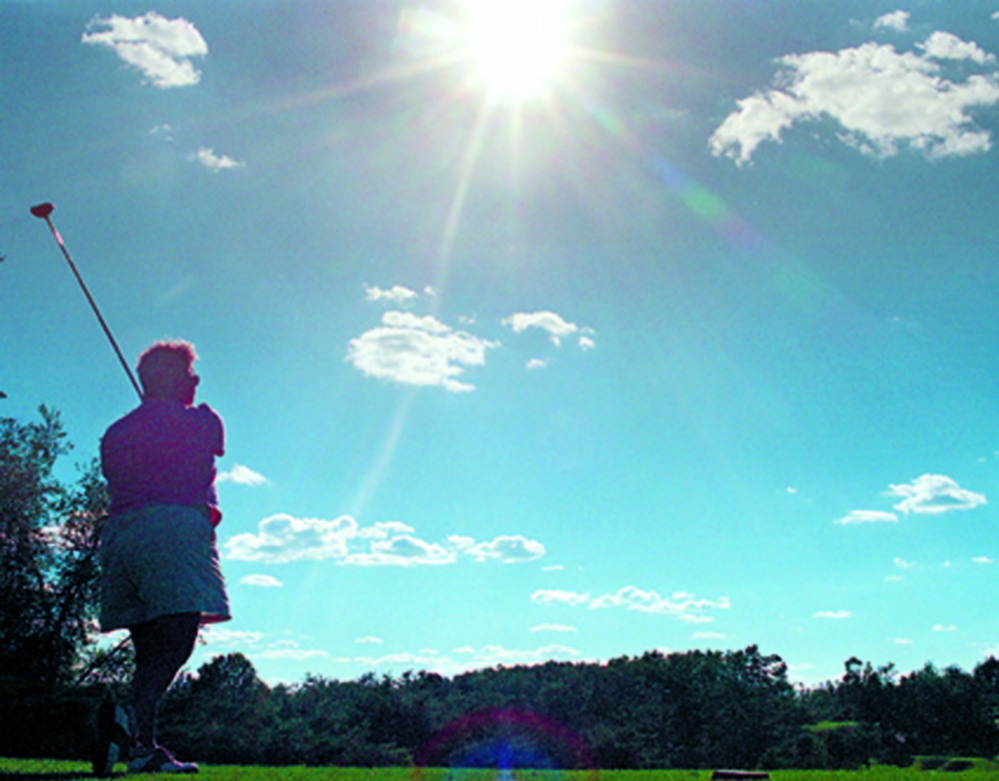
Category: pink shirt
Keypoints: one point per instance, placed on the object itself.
(163, 452)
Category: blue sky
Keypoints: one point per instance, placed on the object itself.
(602, 328)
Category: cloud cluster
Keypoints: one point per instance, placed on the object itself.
(681, 605)
(161, 49)
(283, 538)
(926, 495)
(413, 350)
(878, 97)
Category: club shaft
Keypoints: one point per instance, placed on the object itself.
(93, 305)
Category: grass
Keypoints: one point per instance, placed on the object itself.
(58, 770)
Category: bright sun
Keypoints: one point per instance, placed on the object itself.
(518, 47)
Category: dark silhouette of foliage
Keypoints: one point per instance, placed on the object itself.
(48, 582)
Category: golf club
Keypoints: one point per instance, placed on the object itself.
(43, 211)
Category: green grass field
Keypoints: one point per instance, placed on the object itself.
(57, 770)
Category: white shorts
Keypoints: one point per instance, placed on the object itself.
(157, 561)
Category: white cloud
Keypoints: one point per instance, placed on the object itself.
(880, 98)
(934, 494)
(283, 538)
(536, 363)
(384, 529)
(217, 635)
(214, 162)
(836, 615)
(547, 596)
(942, 628)
(402, 551)
(507, 549)
(369, 639)
(161, 49)
(264, 581)
(396, 294)
(288, 649)
(586, 343)
(553, 628)
(983, 560)
(242, 475)
(903, 564)
(415, 350)
(902, 641)
(946, 46)
(866, 516)
(550, 322)
(685, 606)
(898, 20)
(681, 605)
(492, 655)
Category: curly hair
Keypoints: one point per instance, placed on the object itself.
(162, 364)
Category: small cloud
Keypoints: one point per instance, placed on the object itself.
(161, 49)
(898, 20)
(369, 640)
(283, 538)
(164, 131)
(242, 475)
(553, 628)
(396, 294)
(550, 322)
(983, 560)
(902, 641)
(403, 550)
(934, 494)
(422, 351)
(942, 628)
(586, 343)
(217, 635)
(893, 578)
(536, 363)
(214, 162)
(548, 596)
(553, 568)
(836, 615)
(493, 655)
(903, 564)
(264, 581)
(866, 516)
(946, 46)
(289, 649)
(506, 549)
(684, 606)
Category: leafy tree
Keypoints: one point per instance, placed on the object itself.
(48, 568)
(48, 583)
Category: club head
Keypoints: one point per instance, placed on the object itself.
(42, 210)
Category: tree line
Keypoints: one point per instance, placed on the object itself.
(695, 709)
